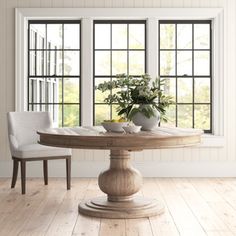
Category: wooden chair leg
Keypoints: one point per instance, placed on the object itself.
(45, 171)
(23, 177)
(15, 173)
(68, 172)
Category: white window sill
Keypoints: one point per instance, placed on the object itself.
(210, 140)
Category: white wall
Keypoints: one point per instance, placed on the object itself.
(175, 162)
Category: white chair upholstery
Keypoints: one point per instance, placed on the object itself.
(23, 137)
(37, 150)
(24, 146)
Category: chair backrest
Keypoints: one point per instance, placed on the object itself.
(23, 125)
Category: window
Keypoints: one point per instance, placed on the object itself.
(28, 86)
(54, 69)
(119, 48)
(185, 61)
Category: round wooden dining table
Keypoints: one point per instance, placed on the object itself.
(121, 181)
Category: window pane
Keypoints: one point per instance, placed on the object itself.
(59, 115)
(42, 91)
(102, 63)
(202, 116)
(32, 90)
(167, 63)
(71, 36)
(32, 57)
(114, 112)
(53, 58)
(54, 35)
(136, 62)
(100, 96)
(193, 65)
(41, 42)
(167, 36)
(170, 87)
(185, 90)
(119, 62)
(136, 36)
(126, 55)
(202, 90)
(71, 62)
(202, 63)
(40, 31)
(102, 36)
(33, 39)
(55, 91)
(102, 112)
(171, 115)
(71, 90)
(54, 64)
(33, 107)
(60, 90)
(185, 116)
(40, 62)
(71, 115)
(119, 36)
(184, 63)
(49, 90)
(54, 110)
(202, 36)
(184, 36)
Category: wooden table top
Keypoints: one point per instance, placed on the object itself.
(95, 137)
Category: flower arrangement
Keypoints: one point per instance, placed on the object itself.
(133, 92)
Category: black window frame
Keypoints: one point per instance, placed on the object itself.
(47, 67)
(111, 49)
(176, 76)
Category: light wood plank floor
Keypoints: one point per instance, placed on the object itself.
(193, 206)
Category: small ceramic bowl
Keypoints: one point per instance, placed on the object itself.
(114, 126)
(132, 129)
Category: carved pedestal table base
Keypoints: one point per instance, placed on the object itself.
(120, 182)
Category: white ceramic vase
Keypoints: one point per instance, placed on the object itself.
(146, 123)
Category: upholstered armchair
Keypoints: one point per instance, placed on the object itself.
(24, 146)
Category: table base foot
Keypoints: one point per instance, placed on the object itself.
(137, 208)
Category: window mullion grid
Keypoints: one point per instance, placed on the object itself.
(193, 76)
(35, 53)
(176, 78)
(28, 69)
(35, 69)
(145, 48)
(111, 66)
(32, 94)
(62, 108)
(58, 49)
(211, 102)
(46, 89)
(46, 58)
(128, 49)
(80, 69)
(94, 75)
(193, 79)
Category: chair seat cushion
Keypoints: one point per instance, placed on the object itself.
(38, 150)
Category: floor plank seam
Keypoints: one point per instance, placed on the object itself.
(189, 207)
(193, 206)
(166, 205)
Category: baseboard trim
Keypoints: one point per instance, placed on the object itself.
(147, 168)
